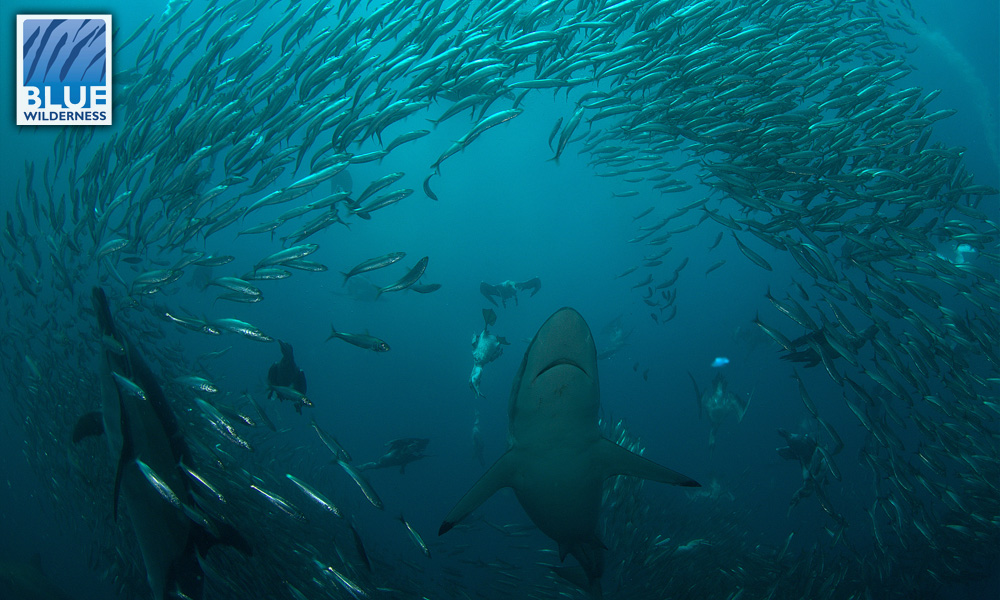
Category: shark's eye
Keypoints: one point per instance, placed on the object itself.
(560, 361)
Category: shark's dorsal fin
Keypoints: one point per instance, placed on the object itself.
(612, 459)
(500, 475)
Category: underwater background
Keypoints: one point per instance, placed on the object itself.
(912, 503)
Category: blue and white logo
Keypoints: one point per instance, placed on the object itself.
(64, 69)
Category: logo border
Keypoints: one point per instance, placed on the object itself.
(19, 61)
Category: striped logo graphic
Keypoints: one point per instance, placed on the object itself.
(64, 70)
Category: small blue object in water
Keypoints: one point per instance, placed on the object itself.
(720, 361)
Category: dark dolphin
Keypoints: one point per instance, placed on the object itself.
(142, 427)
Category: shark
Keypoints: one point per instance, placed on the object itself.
(557, 459)
(144, 436)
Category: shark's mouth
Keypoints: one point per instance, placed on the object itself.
(556, 363)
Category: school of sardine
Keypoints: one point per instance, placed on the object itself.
(792, 119)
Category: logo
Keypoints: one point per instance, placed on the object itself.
(64, 69)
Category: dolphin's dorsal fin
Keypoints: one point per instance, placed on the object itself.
(500, 475)
(612, 459)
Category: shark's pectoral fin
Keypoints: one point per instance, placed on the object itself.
(612, 459)
(498, 476)
(89, 425)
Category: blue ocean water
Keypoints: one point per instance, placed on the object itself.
(505, 211)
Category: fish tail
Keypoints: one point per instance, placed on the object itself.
(346, 277)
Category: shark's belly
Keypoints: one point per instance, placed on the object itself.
(561, 494)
